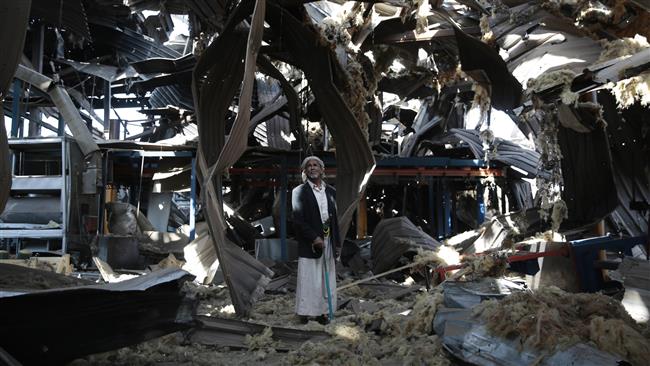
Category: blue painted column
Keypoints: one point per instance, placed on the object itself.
(15, 108)
(480, 191)
(193, 200)
(446, 198)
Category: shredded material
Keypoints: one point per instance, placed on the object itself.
(560, 212)
(622, 47)
(548, 80)
(487, 140)
(262, 341)
(422, 22)
(425, 309)
(487, 34)
(444, 256)
(481, 100)
(632, 90)
(550, 159)
(551, 318)
(479, 266)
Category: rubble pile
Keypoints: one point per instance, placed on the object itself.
(550, 318)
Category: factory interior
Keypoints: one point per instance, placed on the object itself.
(490, 160)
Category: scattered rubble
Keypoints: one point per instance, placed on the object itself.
(550, 318)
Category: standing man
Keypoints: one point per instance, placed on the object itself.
(317, 232)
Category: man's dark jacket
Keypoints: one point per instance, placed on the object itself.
(307, 222)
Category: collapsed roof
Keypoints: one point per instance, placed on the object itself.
(575, 67)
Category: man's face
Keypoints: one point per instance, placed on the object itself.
(313, 170)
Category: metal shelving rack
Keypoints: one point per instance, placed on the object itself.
(53, 185)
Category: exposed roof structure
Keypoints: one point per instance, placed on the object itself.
(318, 76)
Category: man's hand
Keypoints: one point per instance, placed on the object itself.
(318, 243)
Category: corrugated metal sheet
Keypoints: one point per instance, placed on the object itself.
(395, 237)
(277, 128)
(66, 14)
(216, 78)
(629, 189)
(507, 153)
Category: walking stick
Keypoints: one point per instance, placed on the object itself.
(329, 291)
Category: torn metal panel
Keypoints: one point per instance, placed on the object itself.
(525, 161)
(157, 65)
(105, 72)
(67, 14)
(355, 161)
(65, 106)
(468, 339)
(630, 190)
(213, 331)
(245, 276)
(171, 95)
(633, 273)
(589, 188)
(128, 43)
(93, 319)
(271, 102)
(467, 294)
(290, 93)
(487, 68)
(14, 16)
(550, 57)
(395, 237)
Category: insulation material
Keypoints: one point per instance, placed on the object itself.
(481, 100)
(480, 266)
(424, 310)
(622, 47)
(551, 318)
(443, 255)
(632, 90)
(261, 341)
(356, 93)
(551, 156)
(168, 349)
(556, 78)
(487, 140)
(594, 11)
(424, 9)
(487, 34)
